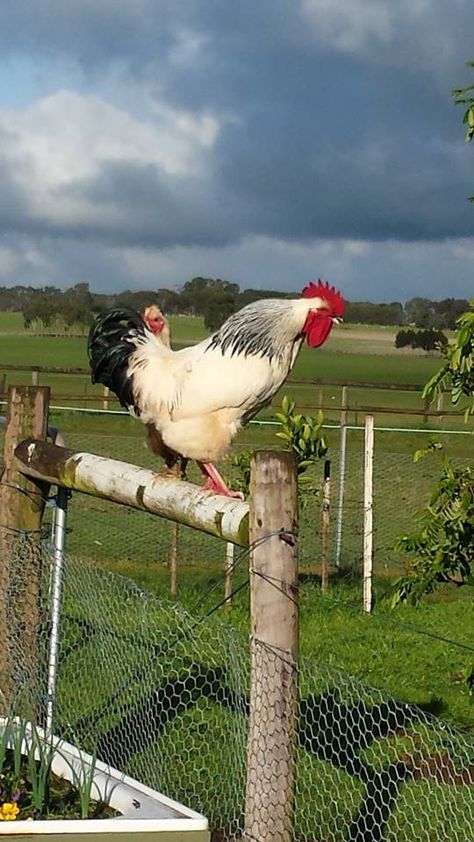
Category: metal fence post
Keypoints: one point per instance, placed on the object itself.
(57, 579)
(368, 512)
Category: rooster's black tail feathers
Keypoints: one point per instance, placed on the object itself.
(113, 337)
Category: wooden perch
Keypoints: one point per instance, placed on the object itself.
(130, 485)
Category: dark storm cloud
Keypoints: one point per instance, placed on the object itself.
(152, 209)
(330, 126)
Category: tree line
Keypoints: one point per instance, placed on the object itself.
(425, 340)
(212, 298)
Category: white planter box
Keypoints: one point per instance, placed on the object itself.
(146, 814)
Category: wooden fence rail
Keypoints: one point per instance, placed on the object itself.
(139, 488)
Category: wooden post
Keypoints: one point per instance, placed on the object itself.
(229, 569)
(426, 409)
(34, 377)
(22, 504)
(105, 402)
(274, 648)
(343, 420)
(320, 398)
(3, 379)
(174, 559)
(175, 471)
(342, 474)
(439, 405)
(368, 512)
(326, 525)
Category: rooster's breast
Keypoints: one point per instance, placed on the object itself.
(224, 381)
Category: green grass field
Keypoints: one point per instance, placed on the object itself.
(408, 664)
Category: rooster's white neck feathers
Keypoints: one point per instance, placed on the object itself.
(264, 328)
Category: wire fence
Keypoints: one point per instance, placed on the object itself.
(163, 694)
(103, 532)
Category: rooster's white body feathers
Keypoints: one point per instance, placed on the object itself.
(199, 397)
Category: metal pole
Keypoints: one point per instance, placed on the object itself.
(368, 512)
(342, 475)
(59, 543)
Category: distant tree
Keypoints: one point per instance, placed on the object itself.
(42, 305)
(197, 293)
(75, 305)
(403, 338)
(447, 312)
(426, 340)
(368, 313)
(250, 295)
(169, 301)
(217, 310)
(418, 312)
(432, 339)
(101, 301)
(12, 299)
(136, 299)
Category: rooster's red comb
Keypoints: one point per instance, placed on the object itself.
(337, 305)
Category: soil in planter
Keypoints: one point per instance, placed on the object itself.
(61, 798)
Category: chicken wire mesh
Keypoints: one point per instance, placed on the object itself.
(163, 695)
(105, 533)
(109, 534)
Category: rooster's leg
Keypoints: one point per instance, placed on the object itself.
(215, 482)
(175, 467)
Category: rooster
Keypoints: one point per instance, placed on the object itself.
(198, 398)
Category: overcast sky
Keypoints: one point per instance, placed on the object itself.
(267, 142)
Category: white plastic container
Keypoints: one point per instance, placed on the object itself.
(145, 814)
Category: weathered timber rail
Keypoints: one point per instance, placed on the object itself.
(130, 485)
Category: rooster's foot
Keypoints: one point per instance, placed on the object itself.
(221, 488)
(215, 483)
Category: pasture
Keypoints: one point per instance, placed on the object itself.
(384, 649)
